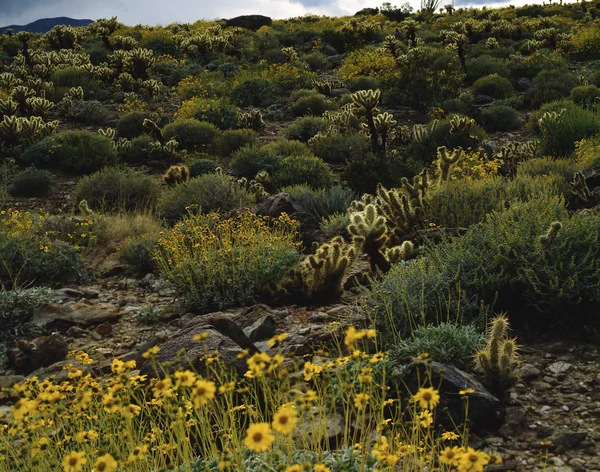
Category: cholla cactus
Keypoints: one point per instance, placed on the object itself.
(498, 360)
(154, 130)
(492, 43)
(322, 274)
(446, 159)
(368, 231)
(252, 120)
(64, 37)
(176, 175)
(378, 125)
(39, 106)
(403, 252)
(290, 54)
(8, 107)
(579, 188)
(109, 133)
(126, 43)
(84, 208)
(410, 27)
(460, 123)
(548, 238)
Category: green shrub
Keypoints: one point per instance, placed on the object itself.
(585, 95)
(302, 129)
(217, 264)
(309, 169)
(533, 121)
(28, 255)
(566, 168)
(206, 193)
(254, 91)
(71, 151)
(232, 140)
(558, 136)
(193, 134)
(456, 106)
(18, 306)
(249, 160)
(284, 148)
(595, 78)
(447, 343)
(66, 78)
(90, 112)
(335, 225)
(314, 104)
(30, 182)
(485, 65)
(202, 166)
(500, 118)
(494, 86)
(324, 202)
(316, 61)
(141, 151)
(138, 253)
(550, 85)
(217, 112)
(118, 189)
(363, 83)
(339, 148)
(131, 125)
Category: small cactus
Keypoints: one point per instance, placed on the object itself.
(176, 175)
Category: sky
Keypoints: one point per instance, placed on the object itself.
(163, 12)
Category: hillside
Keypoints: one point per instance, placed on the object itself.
(325, 244)
(46, 24)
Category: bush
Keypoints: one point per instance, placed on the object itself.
(302, 129)
(28, 255)
(138, 253)
(550, 85)
(500, 118)
(222, 115)
(585, 95)
(71, 151)
(118, 189)
(193, 134)
(202, 166)
(494, 86)
(314, 104)
(456, 106)
(17, 307)
(565, 168)
(324, 202)
(64, 79)
(232, 140)
(216, 264)
(30, 182)
(249, 160)
(141, 151)
(90, 112)
(485, 65)
(586, 41)
(446, 343)
(131, 125)
(316, 61)
(558, 137)
(339, 148)
(309, 169)
(206, 193)
(255, 91)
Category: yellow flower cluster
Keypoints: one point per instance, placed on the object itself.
(475, 165)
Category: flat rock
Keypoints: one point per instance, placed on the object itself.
(560, 367)
(82, 313)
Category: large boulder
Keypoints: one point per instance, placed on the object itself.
(251, 22)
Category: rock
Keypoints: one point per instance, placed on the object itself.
(64, 294)
(115, 270)
(251, 22)
(568, 439)
(560, 367)
(222, 336)
(528, 372)
(333, 429)
(524, 84)
(76, 332)
(516, 415)
(329, 50)
(482, 99)
(82, 313)
(335, 93)
(96, 336)
(7, 381)
(367, 12)
(484, 408)
(262, 329)
(28, 356)
(104, 328)
(90, 293)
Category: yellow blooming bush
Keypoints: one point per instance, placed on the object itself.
(263, 421)
(221, 114)
(217, 263)
(587, 152)
(368, 62)
(28, 253)
(287, 77)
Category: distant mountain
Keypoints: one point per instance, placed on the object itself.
(46, 24)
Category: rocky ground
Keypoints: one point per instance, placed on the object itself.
(552, 416)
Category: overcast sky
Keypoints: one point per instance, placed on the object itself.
(152, 12)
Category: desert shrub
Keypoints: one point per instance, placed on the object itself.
(217, 264)
(85, 111)
(249, 160)
(485, 65)
(232, 140)
(533, 124)
(71, 151)
(28, 255)
(335, 225)
(448, 343)
(456, 106)
(565, 168)
(202, 166)
(550, 85)
(518, 260)
(316, 61)
(324, 202)
(308, 169)
(585, 95)
(193, 134)
(304, 128)
(363, 82)
(314, 104)
(587, 152)
(139, 253)
(531, 65)
(217, 112)
(68, 77)
(160, 42)
(30, 182)
(206, 193)
(368, 62)
(586, 41)
(558, 136)
(493, 85)
(594, 78)
(141, 151)
(500, 118)
(284, 147)
(118, 189)
(131, 125)
(338, 148)
(255, 91)
(287, 77)
(18, 306)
